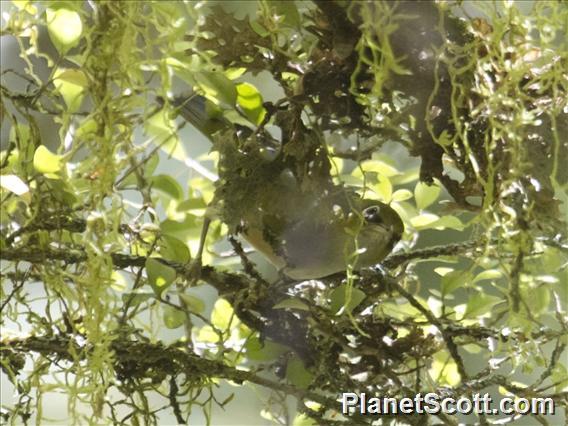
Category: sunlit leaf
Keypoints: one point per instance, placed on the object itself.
(216, 87)
(174, 249)
(489, 274)
(424, 220)
(480, 304)
(222, 314)
(302, 420)
(173, 318)
(425, 194)
(160, 276)
(193, 303)
(339, 298)
(292, 303)
(118, 281)
(191, 204)
(538, 299)
(258, 28)
(444, 139)
(288, 11)
(64, 27)
(406, 177)
(250, 101)
(448, 222)
(46, 162)
(402, 195)
(182, 230)
(445, 371)
(86, 129)
(168, 185)
(234, 73)
(381, 167)
(454, 280)
(207, 334)
(297, 374)
(71, 84)
(384, 189)
(263, 351)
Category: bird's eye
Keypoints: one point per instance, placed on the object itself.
(372, 214)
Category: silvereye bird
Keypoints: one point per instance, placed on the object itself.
(305, 235)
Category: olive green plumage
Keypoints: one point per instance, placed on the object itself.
(280, 197)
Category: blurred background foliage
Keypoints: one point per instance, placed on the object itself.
(455, 113)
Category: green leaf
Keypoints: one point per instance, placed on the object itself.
(292, 303)
(173, 318)
(432, 221)
(258, 28)
(302, 420)
(424, 220)
(181, 230)
(489, 274)
(193, 303)
(250, 101)
(71, 84)
(406, 177)
(61, 191)
(191, 204)
(222, 314)
(118, 281)
(398, 310)
(46, 162)
(538, 299)
(174, 249)
(217, 87)
(383, 188)
(168, 185)
(64, 27)
(234, 73)
(287, 11)
(425, 194)
(160, 276)
(207, 334)
(454, 280)
(381, 167)
(479, 305)
(444, 139)
(444, 370)
(263, 351)
(402, 195)
(448, 222)
(297, 374)
(339, 298)
(86, 129)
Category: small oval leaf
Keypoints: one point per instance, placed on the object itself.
(160, 276)
(64, 27)
(45, 161)
(425, 194)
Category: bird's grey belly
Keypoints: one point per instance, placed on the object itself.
(313, 253)
(321, 251)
